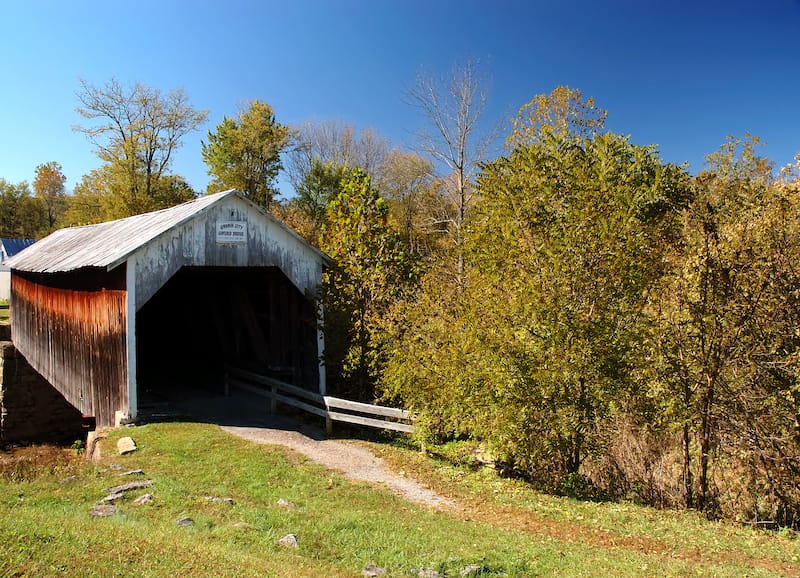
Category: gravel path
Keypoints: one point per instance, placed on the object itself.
(245, 416)
(352, 461)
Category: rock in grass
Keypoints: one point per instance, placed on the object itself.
(426, 573)
(283, 503)
(132, 473)
(471, 570)
(103, 511)
(371, 571)
(128, 487)
(112, 497)
(143, 499)
(126, 445)
(184, 521)
(216, 499)
(289, 541)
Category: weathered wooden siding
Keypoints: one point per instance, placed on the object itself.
(194, 244)
(76, 340)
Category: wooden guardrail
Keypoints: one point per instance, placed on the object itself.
(325, 406)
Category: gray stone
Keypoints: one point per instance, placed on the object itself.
(289, 541)
(112, 497)
(128, 487)
(68, 479)
(426, 573)
(126, 445)
(371, 571)
(285, 503)
(471, 570)
(143, 499)
(216, 499)
(132, 473)
(103, 511)
(184, 521)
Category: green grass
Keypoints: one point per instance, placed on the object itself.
(500, 525)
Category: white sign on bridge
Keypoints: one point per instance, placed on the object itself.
(232, 232)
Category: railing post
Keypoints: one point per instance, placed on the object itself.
(328, 420)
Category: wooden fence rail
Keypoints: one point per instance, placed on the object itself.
(320, 405)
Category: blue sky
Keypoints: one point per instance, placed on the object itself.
(680, 74)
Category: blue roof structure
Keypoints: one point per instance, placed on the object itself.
(10, 247)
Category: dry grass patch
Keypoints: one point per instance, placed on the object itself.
(28, 463)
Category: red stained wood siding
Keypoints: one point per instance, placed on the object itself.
(77, 341)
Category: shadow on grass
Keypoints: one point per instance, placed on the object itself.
(238, 409)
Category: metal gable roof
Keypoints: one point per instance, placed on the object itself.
(11, 247)
(109, 244)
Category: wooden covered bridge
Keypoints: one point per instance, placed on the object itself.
(109, 313)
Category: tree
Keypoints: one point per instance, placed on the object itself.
(565, 240)
(324, 153)
(87, 204)
(454, 108)
(49, 187)
(22, 216)
(370, 271)
(336, 145)
(319, 186)
(562, 112)
(136, 131)
(415, 206)
(244, 153)
(727, 341)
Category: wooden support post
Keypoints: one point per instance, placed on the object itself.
(328, 420)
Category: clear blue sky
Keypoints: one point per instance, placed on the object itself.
(678, 74)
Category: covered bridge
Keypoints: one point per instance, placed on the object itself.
(114, 312)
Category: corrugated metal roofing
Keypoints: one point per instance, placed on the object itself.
(109, 244)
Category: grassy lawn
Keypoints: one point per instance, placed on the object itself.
(501, 526)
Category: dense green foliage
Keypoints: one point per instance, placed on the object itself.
(244, 153)
(370, 272)
(22, 216)
(624, 329)
(726, 350)
(565, 241)
(48, 186)
(318, 187)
